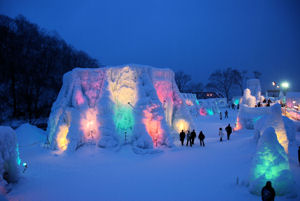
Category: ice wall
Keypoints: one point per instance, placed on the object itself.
(275, 120)
(8, 157)
(130, 104)
(270, 163)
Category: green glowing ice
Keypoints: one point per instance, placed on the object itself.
(197, 102)
(210, 112)
(123, 118)
(268, 168)
(18, 155)
(236, 101)
(256, 119)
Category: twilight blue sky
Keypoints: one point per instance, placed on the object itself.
(191, 35)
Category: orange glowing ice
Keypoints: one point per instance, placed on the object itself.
(90, 125)
(61, 139)
(238, 125)
(152, 122)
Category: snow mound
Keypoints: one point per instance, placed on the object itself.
(8, 157)
(270, 163)
(28, 134)
(109, 107)
(248, 99)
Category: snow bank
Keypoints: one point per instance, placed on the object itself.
(270, 163)
(130, 104)
(28, 135)
(8, 156)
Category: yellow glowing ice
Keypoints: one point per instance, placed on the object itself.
(282, 138)
(61, 139)
(122, 86)
(181, 124)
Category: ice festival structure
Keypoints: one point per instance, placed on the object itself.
(270, 163)
(130, 104)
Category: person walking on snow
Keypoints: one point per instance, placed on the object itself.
(188, 138)
(221, 134)
(182, 136)
(268, 192)
(226, 114)
(228, 131)
(193, 136)
(220, 115)
(201, 138)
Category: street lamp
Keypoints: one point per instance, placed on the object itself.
(285, 85)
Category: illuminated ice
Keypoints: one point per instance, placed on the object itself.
(270, 163)
(109, 107)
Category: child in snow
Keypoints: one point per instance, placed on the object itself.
(221, 134)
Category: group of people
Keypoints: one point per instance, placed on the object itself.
(226, 115)
(190, 138)
(228, 130)
(267, 103)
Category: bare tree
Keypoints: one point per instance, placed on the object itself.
(240, 79)
(257, 74)
(221, 81)
(182, 80)
(194, 87)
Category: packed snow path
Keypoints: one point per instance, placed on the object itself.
(183, 173)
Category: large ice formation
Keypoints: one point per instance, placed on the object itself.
(254, 86)
(111, 106)
(8, 157)
(273, 118)
(270, 163)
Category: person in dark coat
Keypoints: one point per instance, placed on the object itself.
(182, 136)
(226, 114)
(268, 192)
(228, 131)
(201, 138)
(188, 138)
(238, 106)
(193, 136)
(220, 115)
(299, 155)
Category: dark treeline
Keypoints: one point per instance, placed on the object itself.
(32, 63)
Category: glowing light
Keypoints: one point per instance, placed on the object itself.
(189, 102)
(18, 155)
(202, 112)
(79, 98)
(181, 124)
(256, 119)
(123, 118)
(197, 102)
(238, 125)
(210, 112)
(282, 138)
(61, 139)
(236, 101)
(285, 85)
(152, 122)
(90, 125)
(267, 168)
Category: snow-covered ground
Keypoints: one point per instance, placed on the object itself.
(218, 171)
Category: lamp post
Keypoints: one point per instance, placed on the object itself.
(285, 85)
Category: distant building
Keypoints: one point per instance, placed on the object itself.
(273, 93)
(206, 95)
